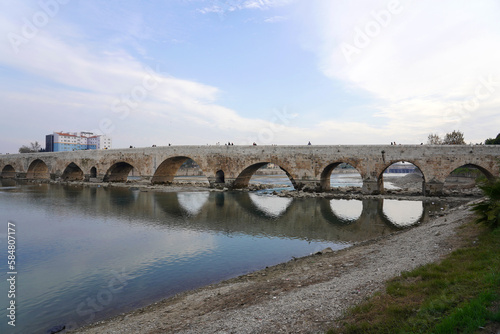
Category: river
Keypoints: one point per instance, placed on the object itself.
(87, 253)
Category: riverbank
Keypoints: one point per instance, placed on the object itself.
(304, 295)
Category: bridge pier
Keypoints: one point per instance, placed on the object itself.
(228, 183)
(433, 188)
(308, 185)
(215, 182)
(371, 187)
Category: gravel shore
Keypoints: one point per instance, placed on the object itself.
(306, 295)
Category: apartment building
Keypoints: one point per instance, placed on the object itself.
(74, 141)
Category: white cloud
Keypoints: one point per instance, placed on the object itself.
(418, 61)
(431, 68)
(275, 19)
(265, 4)
(223, 6)
(111, 92)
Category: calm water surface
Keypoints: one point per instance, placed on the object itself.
(87, 253)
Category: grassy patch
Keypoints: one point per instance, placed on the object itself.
(454, 296)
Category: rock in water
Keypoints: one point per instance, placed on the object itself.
(327, 250)
(55, 329)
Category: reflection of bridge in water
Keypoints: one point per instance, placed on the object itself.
(317, 219)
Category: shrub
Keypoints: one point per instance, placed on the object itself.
(489, 210)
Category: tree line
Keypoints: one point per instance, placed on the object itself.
(456, 138)
(493, 141)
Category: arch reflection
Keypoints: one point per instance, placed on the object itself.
(8, 183)
(169, 203)
(256, 206)
(192, 202)
(243, 213)
(347, 210)
(402, 213)
(271, 206)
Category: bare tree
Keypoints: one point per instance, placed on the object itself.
(34, 147)
(434, 139)
(453, 138)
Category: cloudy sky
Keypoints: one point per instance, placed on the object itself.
(266, 71)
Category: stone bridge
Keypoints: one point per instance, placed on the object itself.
(308, 167)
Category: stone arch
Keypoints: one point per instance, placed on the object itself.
(166, 171)
(489, 175)
(93, 172)
(38, 170)
(8, 172)
(118, 172)
(380, 178)
(327, 173)
(461, 181)
(392, 162)
(243, 179)
(72, 173)
(219, 176)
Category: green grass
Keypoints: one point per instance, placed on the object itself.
(454, 296)
(470, 317)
